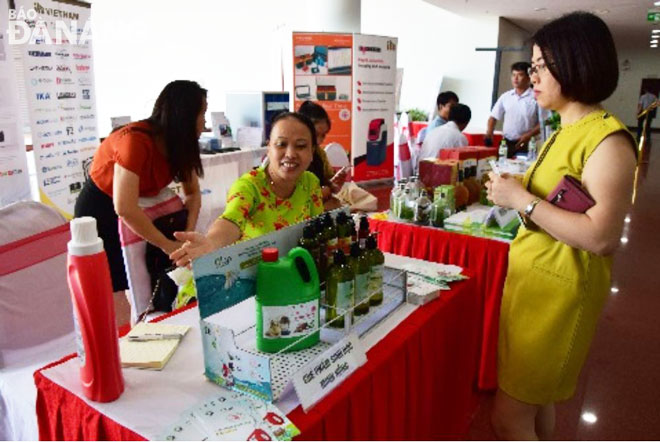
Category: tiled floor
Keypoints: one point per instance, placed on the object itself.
(620, 383)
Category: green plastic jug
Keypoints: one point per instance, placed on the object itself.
(287, 301)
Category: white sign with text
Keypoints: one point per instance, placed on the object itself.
(321, 375)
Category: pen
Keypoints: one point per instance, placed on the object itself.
(154, 337)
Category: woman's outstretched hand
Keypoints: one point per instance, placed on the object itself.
(194, 245)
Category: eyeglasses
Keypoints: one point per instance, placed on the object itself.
(537, 69)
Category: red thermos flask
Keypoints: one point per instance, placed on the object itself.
(94, 313)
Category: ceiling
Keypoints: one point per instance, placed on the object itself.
(626, 18)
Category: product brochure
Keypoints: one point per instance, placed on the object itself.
(230, 415)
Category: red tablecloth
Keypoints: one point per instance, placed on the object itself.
(486, 258)
(478, 139)
(418, 383)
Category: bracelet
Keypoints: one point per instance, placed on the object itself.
(531, 206)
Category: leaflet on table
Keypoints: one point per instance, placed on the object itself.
(14, 176)
(59, 86)
(374, 62)
(231, 416)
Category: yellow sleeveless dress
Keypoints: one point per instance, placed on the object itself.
(554, 293)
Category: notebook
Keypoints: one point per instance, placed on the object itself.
(154, 353)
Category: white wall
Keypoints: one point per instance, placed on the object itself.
(644, 63)
(437, 52)
(140, 46)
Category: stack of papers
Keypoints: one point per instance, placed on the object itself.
(150, 345)
(425, 279)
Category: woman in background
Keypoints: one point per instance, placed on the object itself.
(141, 159)
(279, 193)
(320, 166)
(559, 265)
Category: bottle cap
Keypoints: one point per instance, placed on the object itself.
(327, 220)
(355, 249)
(309, 231)
(371, 242)
(269, 254)
(84, 237)
(364, 222)
(339, 257)
(341, 218)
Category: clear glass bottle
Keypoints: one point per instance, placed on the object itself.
(405, 206)
(422, 209)
(503, 150)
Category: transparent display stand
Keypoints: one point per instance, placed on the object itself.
(232, 359)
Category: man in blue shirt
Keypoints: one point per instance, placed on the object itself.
(445, 101)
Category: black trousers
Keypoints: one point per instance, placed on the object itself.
(511, 148)
(93, 202)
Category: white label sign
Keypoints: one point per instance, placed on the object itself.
(321, 375)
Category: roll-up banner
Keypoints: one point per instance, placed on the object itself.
(14, 177)
(56, 43)
(353, 76)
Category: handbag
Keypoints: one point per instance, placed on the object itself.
(164, 290)
(570, 195)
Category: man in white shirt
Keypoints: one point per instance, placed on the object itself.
(519, 110)
(645, 101)
(448, 135)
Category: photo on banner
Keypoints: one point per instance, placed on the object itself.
(56, 47)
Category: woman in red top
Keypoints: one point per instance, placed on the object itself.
(141, 159)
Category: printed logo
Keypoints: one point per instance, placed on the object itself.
(85, 94)
(82, 128)
(69, 152)
(45, 109)
(63, 68)
(69, 130)
(60, 80)
(66, 142)
(81, 56)
(42, 68)
(43, 96)
(88, 117)
(52, 180)
(47, 145)
(86, 139)
(75, 187)
(85, 149)
(82, 68)
(45, 121)
(72, 162)
(66, 95)
(39, 54)
(75, 175)
(391, 46)
(38, 81)
(49, 155)
(10, 172)
(68, 118)
(62, 54)
(365, 49)
(46, 169)
(66, 108)
(83, 107)
(85, 81)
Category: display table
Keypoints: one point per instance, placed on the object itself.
(418, 383)
(488, 259)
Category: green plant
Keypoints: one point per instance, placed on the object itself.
(416, 114)
(554, 121)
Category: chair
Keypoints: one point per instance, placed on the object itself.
(36, 325)
(337, 155)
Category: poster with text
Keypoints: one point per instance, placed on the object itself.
(14, 177)
(56, 44)
(374, 85)
(323, 73)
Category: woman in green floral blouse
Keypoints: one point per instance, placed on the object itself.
(268, 198)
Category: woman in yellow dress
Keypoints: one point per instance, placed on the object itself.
(559, 265)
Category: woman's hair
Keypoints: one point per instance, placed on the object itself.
(579, 51)
(300, 118)
(175, 117)
(314, 112)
